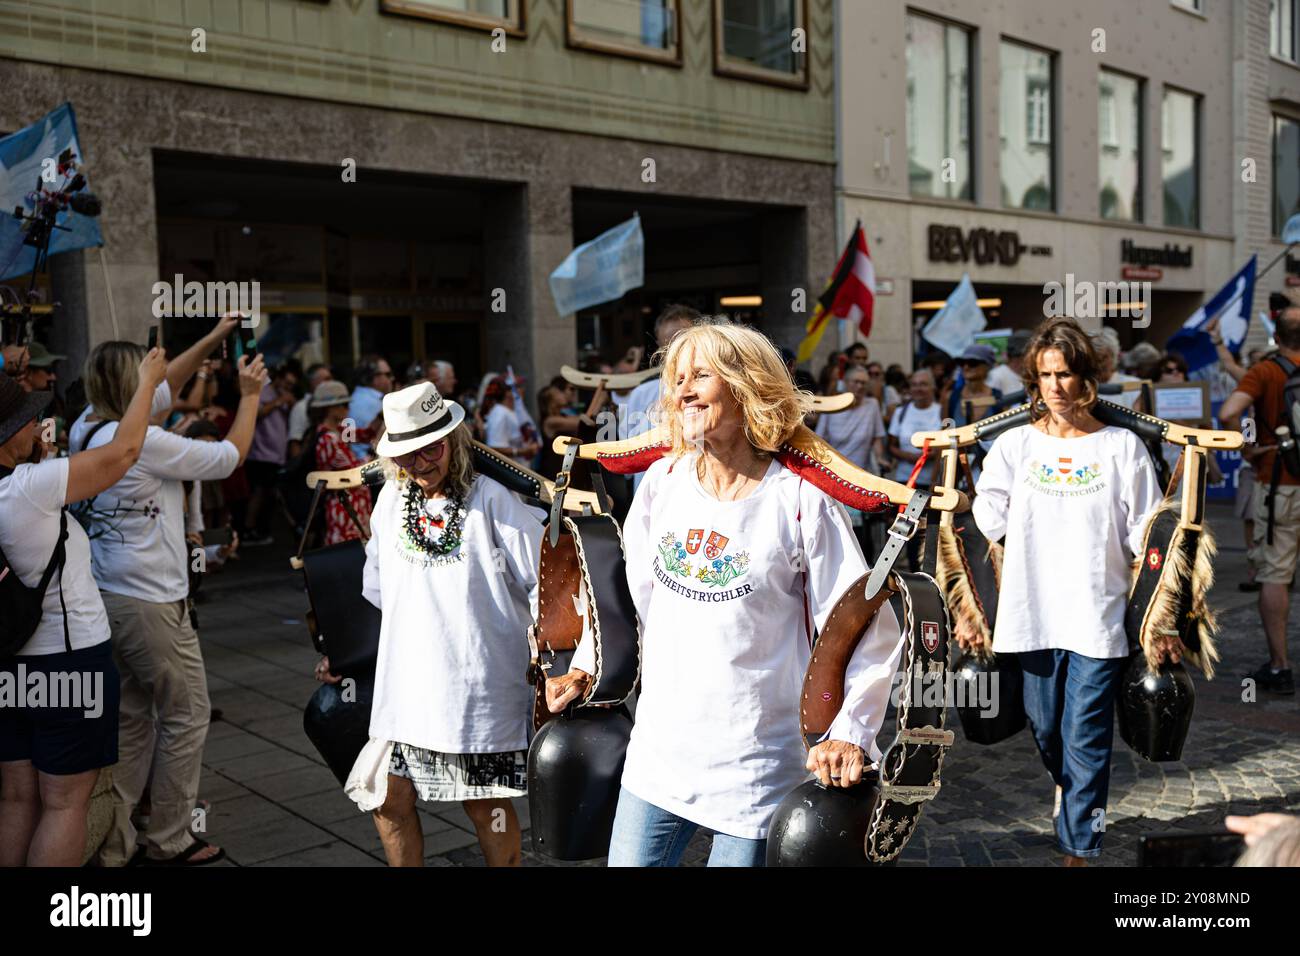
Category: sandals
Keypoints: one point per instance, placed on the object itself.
(186, 856)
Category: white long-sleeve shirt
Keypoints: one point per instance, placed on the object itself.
(719, 591)
(1073, 511)
(453, 650)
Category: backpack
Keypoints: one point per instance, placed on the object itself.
(1288, 451)
(21, 607)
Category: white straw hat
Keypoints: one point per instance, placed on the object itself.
(415, 417)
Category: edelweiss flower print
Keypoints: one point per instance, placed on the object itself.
(1065, 477)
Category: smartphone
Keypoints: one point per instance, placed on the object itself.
(153, 337)
(222, 536)
(1216, 848)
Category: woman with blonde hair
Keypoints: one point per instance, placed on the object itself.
(142, 561)
(732, 561)
(452, 563)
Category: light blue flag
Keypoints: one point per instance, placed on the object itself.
(601, 270)
(953, 327)
(21, 158)
(1231, 305)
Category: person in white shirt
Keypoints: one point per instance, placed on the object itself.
(141, 561)
(504, 429)
(919, 413)
(1006, 377)
(1072, 498)
(725, 550)
(858, 433)
(300, 414)
(1106, 344)
(641, 411)
(50, 758)
(452, 564)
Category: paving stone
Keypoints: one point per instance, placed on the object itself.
(331, 854)
(260, 844)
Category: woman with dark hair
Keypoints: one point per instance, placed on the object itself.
(1172, 368)
(1071, 496)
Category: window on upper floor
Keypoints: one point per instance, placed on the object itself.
(1027, 131)
(761, 40)
(1282, 29)
(482, 14)
(1180, 162)
(1286, 171)
(938, 92)
(1189, 4)
(646, 29)
(1119, 125)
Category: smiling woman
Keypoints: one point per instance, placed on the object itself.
(732, 559)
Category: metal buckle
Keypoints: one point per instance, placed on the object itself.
(907, 523)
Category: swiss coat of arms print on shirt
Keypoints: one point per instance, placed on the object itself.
(714, 568)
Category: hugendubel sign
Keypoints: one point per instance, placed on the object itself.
(1168, 255)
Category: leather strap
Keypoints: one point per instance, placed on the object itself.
(909, 768)
(900, 532)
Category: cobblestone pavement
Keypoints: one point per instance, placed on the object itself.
(273, 802)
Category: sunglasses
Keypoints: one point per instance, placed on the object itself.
(1175, 368)
(429, 453)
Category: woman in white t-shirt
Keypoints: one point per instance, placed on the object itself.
(141, 562)
(1072, 497)
(452, 564)
(858, 432)
(51, 751)
(725, 550)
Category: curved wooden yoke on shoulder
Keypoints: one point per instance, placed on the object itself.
(1146, 427)
(805, 453)
(487, 461)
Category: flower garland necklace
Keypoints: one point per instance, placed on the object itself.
(417, 521)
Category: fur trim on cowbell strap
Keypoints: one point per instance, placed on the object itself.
(1185, 580)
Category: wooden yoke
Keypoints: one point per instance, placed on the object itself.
(1145, 426)
(805, 453)
(486, 460)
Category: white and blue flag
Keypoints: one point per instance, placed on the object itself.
(953, 327)
(22, 162)
(601, 270)
(1231, 305)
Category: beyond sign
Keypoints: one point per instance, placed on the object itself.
(984, 246)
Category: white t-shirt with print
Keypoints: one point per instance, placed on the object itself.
(453, 647)
(30, 501)
(138, 526)
(907, 421)
(719, 594)
(1073, 511)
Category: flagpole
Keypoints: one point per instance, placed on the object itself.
(108, 287)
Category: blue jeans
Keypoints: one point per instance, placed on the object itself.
(1070, 701)
(647, 835)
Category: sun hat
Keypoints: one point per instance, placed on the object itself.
(330, 393)
(415, 417)
(38, 356)
(18, 406)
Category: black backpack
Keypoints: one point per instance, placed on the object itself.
(21, 607)
(1289, 451)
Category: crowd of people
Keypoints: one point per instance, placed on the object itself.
(160, 461)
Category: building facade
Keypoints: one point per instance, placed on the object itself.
(486, 138)
(1094, 145)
